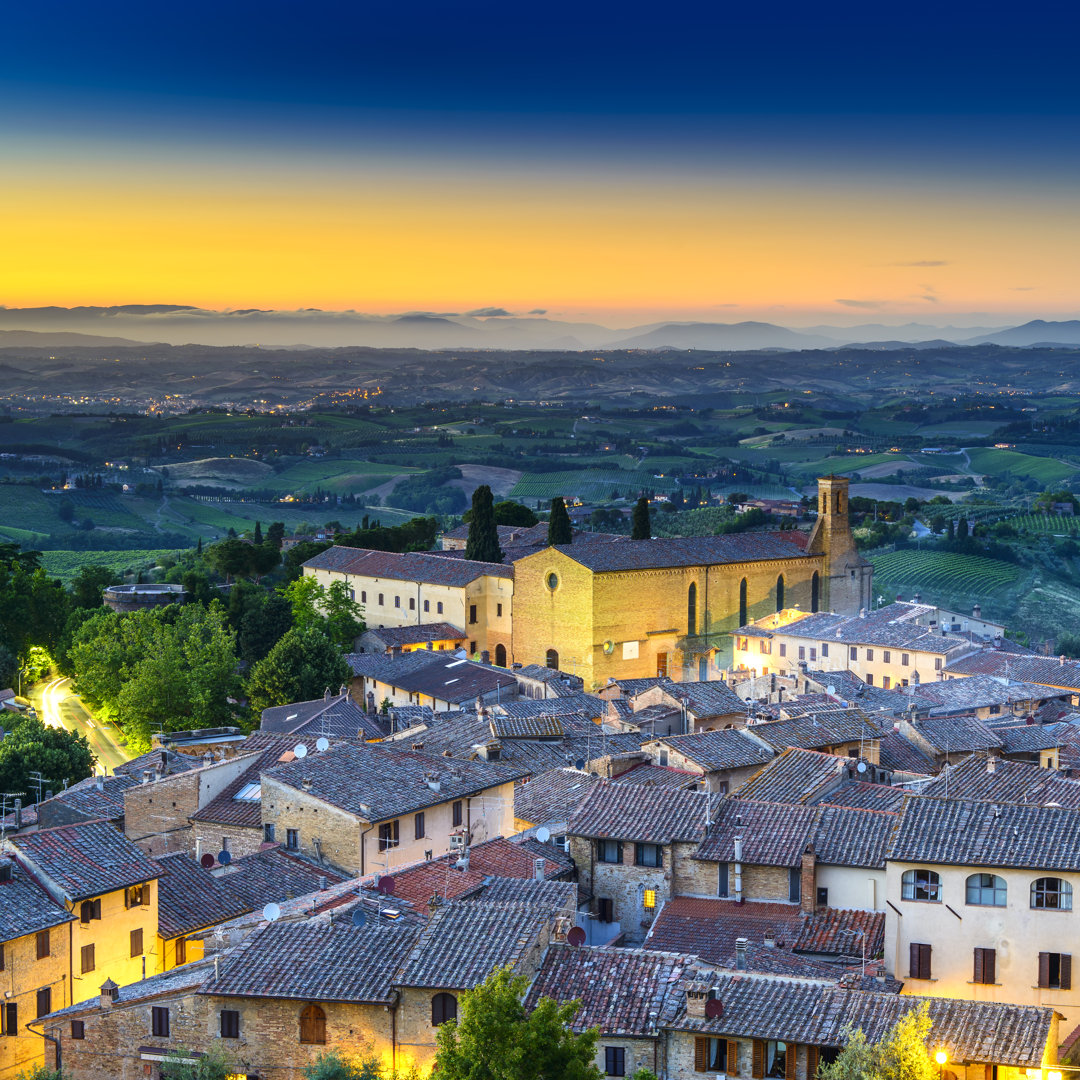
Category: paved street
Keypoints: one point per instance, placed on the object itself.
(59, 707)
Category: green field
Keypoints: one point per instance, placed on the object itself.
(588, 484)
(65, 564)
(341, 476)
(945, 574)
(995, 462)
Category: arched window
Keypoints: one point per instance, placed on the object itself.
(742, 602)
(780, 593)
(921, 885)
(815, 591)
(1051, 893)
(986, 890)
(443, 1008)
(552, 659)
(691, 609)
(313, 1025)
(500, 655)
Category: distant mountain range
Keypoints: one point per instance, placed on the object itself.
(178, 324)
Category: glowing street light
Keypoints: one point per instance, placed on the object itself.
(941, 1057)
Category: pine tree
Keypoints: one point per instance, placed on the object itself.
(642, 527)
(483, 541)
(198, 547)
(559, 529)
(257, 538)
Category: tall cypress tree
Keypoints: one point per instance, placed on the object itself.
(642, 527)
(559, 528)
(483, 542)
(258, 537)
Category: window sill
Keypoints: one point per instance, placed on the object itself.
(915, 978)
(972, 982)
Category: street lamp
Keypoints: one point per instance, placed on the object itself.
(940, 1056)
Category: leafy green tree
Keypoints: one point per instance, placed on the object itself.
(337, 1065)
(276, 534)
(641, 529)
(33, 607)
(1068, 644)
(483, 542)
(229, 557)
(262, 559)
(59, 755)
(494, 1038)
(300, 667)
(9, 667)
(66, 511)
(215, 1064)
(508, 512)
(89, 583)
(42, 1072)
(559, 528)
(329, 609)
(901, 1055)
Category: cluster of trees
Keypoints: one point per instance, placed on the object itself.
(427, 492)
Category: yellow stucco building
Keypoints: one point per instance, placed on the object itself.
(665, 607)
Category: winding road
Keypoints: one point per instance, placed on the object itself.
(59, 707)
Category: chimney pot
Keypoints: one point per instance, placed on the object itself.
(740, 954)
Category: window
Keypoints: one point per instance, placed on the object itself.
(438, 607)
(388, 835)
(87, 957)
(472, 646)
(78, 1029)
(608, 851)
(614, 1061)
(137, 896)
(853, 653)
(783, 648)
(780, 593)
(813, 653)
(427, 605)
(921, 885)
(722, 880)
(363, 596)
(418, 827)
(822, 896)
(714, 1055)
(887, 656)
(292, 839)
(937, 663)
(648, 855)
(159, 1021)
(2, 963)
(500, 655)
(1055, 971)
(985, 967)
(802, 652)
(412, 603)
(553, 582)
(905, 659)
(661, 665)
(498, 610)
(794, 884)
(771, 1059)
(381, 600)
(869, 654)
(230, 1024)
(648, 899)
(742, 603)
(824, 649)
(443, 1008)
(456, 811)
(605, 909)
(313, 1026)
(42, 944)
(44, 1001)
(986, 890)
(886, 682)
(11, 1018)
(397, 601)
(691, 614)
(472, 613)
(268, 832)
(815, 592)
(919, 961)
(1052, 894)
(136, 942)
(181, 950)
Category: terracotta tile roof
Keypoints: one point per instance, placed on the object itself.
(773, 834)
(844, 836)
(526, 727)
(445, 677)
(975, 692)
(316, 961)
(1045, 670)
(632, 687)
(190, 898)
(967, 833)
(839, 932)
(818, 728)
(709, 928)
(374, 782)
(167, 762)
(417, 634)
(795, 776)
(389, 667)
(560, 682)
(25, 907)
(682, 551)
(899, 754)
(86, 859)
(335, 716)
(733, 748)
(186, 977)
(957, 733)
(432, 568)
(849, 689)
(552, 796)
(1010, 781)
(650, 815)
(623, 992)
(705, 699)
(275, 875)
(865, 796)
(649, 775)
(566, 705)
(464, 942)
(552, 896)
(1031, 738)
(92, 798)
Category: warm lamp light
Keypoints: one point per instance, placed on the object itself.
(941, 1057)
(1053, 1074)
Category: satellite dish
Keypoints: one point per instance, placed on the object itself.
(576, 937)
(861, 767)
(224, 858)
(300, 750)
(714, 1009)
(543, 834)
(207, 861)
(359, 917)
(386, 885)
(322, 744)
(271, 912)
(580, 764)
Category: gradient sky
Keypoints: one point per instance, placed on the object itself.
(795, 163)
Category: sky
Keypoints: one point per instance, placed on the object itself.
(623, 164)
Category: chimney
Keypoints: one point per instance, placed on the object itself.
(695, 1003)
(740, 957)
(769, 938)
(323, 883)
(1061, 660)
(208, 758)
(991, 764)
(538, 869)
(976, 611)
(99, 783)
(327, 695)
(306, 783)
(108, 994)
(485, 657)
(18, 814)
(807, 888)
(738, 870)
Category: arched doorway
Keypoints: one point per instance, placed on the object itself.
(500, 654)
(742, 602)
(552, 659)
(780, 593)
(815, 589)
(691, 610)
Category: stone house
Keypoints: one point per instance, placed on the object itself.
(443, 682)
(436, 636)
(332, 715)
(703, 706)
(724, 759)
(632, 845)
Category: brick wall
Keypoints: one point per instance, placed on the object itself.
(699, 877)
(212, 837)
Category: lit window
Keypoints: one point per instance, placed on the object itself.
(648, 899)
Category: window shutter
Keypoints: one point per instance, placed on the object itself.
(618, 849)
(759, 1060)
(1066, 971)
(732, 1058)
(790, 1060)
(1044, 969)
(980, 974)
(990, 966)
(924, 961)
(813, 1057)
(701, 1050)
(913, 960)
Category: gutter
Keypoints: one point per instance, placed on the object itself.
(51, 1038)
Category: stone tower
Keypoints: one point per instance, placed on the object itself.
(848, 584)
